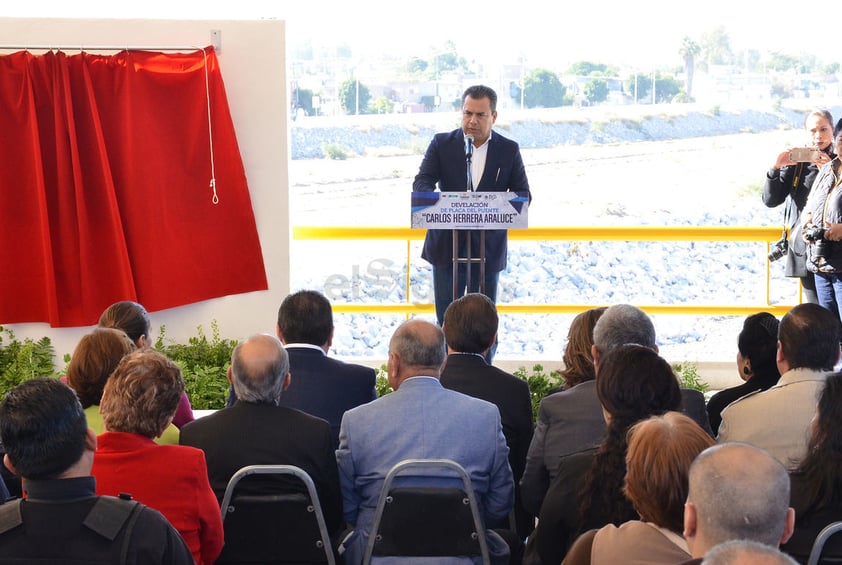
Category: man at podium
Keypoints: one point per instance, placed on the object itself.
(471, 158)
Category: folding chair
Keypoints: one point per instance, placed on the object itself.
(274, 527)
(424, 521)
(818, 544)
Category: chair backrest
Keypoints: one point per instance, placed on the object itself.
(821, 539)
(426, 521)
(274, 527)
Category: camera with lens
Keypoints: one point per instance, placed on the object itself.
(814, 233)
(779, 249)
(824, 247)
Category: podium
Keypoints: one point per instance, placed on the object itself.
(469, 211)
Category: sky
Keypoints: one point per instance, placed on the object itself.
(646, 33)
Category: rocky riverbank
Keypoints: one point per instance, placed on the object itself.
(396, 134)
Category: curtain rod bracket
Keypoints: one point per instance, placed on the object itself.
(216, 40)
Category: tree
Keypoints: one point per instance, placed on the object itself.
(716, 47)
(689, 51)
(382, 106)
(586, 69)
(596, 90)
(666, 88)
(782, 62)
(446, 60)
(542, 89)
(348, 96)
(639, 86)
(417, 66)
(751, 60)
(305, 100)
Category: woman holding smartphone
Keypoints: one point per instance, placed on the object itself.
(789, 182)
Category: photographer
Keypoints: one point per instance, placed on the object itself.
(790, 181)
(822, 230)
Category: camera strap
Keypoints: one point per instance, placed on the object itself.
(796, 179)
(837, 180)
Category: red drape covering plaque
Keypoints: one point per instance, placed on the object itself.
(107, 174)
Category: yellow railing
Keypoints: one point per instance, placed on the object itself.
(584, 233)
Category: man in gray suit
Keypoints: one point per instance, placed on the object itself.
(571, 420)
(421, 419)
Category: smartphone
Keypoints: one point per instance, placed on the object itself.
(804, 154)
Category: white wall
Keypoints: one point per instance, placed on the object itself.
(253, 63)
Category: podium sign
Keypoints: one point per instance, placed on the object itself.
(470, 210)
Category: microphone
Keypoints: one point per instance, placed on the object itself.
(469, 146)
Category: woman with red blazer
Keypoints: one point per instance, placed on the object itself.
(137, 405)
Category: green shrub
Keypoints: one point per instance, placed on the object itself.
(204, 364)
(334, 151)
(539, 383)
(382, 383)
(23, 360)
(688, 376)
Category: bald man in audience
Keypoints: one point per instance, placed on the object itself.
(257, 431)
(736, 491)
(321, 385)
(422, 419)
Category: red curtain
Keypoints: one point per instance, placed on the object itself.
(107, 186)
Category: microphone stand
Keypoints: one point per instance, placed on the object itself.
(468, 259)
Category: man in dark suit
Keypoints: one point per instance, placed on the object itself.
(496, 166)
(470, 328)
(321, 386)
(256, 431)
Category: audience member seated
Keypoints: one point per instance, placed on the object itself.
(757, 347)
(633, 383)
(661, 450)
(257, 431)
(133, 319)
(778, 419)
(817, 482)
(571, 421)
(470, 327)
(422, 419)
(96, 356)
(746, 552)
(137, 405)
(321, 386)
(578, 356)
(736, 492)
(48, 443)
